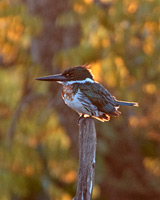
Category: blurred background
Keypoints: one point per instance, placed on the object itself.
(39, 133)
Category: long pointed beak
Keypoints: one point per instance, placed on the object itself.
(56, 77)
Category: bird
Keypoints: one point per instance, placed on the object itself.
(86, 96)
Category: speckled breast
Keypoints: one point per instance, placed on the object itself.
(67, 92)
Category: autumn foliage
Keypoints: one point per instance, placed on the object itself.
(39, 133)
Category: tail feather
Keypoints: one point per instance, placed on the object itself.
(125, 103)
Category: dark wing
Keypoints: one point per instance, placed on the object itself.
(99, 96)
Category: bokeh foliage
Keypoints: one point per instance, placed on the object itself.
(120, 39)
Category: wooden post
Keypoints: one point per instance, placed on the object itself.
(87, 159)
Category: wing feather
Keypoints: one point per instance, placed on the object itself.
(99, 96)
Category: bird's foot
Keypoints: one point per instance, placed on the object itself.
(83, 116)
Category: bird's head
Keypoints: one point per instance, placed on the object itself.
(71, 75)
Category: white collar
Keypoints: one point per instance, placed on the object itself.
(77, 81)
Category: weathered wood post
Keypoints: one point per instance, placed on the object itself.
(87, 159)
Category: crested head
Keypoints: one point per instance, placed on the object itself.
(78, 73)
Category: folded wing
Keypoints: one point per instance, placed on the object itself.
(100, 97)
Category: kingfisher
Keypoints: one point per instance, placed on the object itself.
(86, 96)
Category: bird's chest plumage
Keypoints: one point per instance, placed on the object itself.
(73, 98)
(67, 93)
(70, 97)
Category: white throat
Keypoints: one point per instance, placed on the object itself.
(77, 81)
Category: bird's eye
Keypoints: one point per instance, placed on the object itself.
(67, 75)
